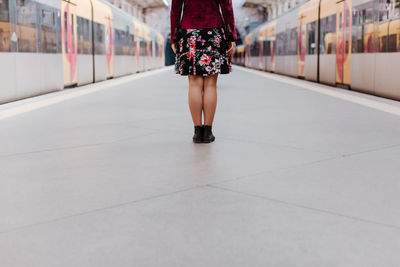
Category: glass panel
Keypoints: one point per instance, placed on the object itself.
(99, 38)
(293, 42)
(49, 40)
(392, 46)
(4, 26)
(311, 44)
(84, 36)
(27, 25)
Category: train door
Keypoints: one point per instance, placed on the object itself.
(343, 41)
(69, 43)
(301, 46)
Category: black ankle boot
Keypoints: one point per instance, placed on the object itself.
(208, 136)
(198, 134)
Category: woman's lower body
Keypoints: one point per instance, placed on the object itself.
(202, 56)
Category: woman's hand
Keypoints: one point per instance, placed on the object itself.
(173, 48)
(232, 47)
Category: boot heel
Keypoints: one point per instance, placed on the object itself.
(198, 134)
(208, 136)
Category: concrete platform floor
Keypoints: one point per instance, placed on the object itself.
(107, 175)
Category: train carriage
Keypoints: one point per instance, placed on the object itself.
(48, 45)
(29, 48)
(286, 43)
(348, 43)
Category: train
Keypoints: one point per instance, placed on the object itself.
(50, 45)
(353, 44)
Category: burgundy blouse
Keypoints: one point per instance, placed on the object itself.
(200, 14)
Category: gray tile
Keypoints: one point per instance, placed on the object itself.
(56, 183)
(365, 186)
(112, 179)
(202, 227)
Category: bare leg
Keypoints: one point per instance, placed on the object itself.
(210, 98)
(196, 84)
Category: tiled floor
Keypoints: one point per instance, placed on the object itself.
(112, 178)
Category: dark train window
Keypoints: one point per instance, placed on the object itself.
(143, 48)
(392, 45)
(362, 40)
(122, 43)
(27, 19)
(255, 49)
(48, 31)
(267, 48)
(383, 44)
(311, 38)
(99, 39)
(281, 44)
(84, 28)
(4, 27)
(157, 49)
(328, 35)
(292, 46)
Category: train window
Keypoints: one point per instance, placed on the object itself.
(267, 48)
(280, 43)
(255, 49)
(48, 17)
(27, 19)
(392, 45)
(4, 27)
(84, 28)
(356, 17)
(48, 31)
(328, 35)
(383, 12)
(118, 42)
(143, 46)
(292, 49)
(369, 15)
(99, 38)
(383, 44)
(122, 42)
(311, 39)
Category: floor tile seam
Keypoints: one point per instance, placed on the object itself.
(378, 149)
(76, 147)
(279, 145)
(286, 168)
(98, 210)
(294, 166)
(130, 124)
(309, 208)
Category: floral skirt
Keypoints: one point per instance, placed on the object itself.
(202, 52)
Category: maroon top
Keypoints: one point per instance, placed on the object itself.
(200, 14)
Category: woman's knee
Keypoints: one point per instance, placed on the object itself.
(211, 81)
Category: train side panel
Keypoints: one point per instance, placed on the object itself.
(29, 49)
(286, 43)
(387, 78)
